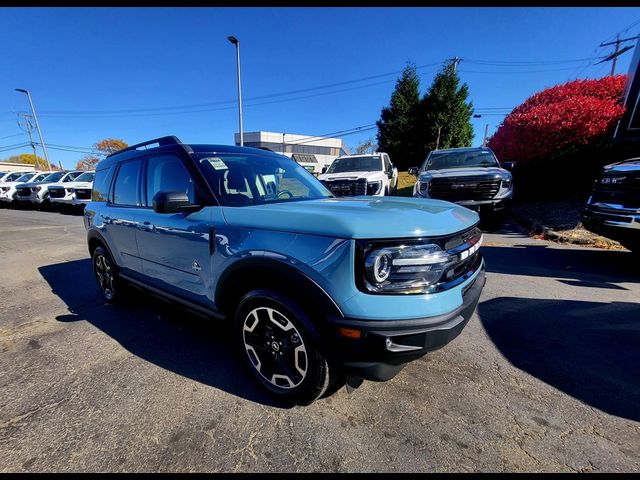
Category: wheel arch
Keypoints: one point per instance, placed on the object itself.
(269, 274)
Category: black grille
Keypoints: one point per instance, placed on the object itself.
(23, 192)
(622, 189)
(56, 192)
(83, 193)
(464, 188)
(347, 188)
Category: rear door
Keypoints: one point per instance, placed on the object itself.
(120, 216)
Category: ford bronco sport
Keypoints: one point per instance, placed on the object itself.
(320, 290)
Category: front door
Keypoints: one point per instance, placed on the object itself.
(175, 247)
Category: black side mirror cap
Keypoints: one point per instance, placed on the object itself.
(324, 169)
(508, 165)
(413, 171)
(173, 202)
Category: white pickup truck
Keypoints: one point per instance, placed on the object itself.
(354, 175)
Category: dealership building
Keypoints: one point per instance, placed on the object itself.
(312, 153)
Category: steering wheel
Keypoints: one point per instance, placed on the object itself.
(285, 191)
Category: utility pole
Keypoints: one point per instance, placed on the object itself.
(456, 61)
(35, 118)
(617, 52)
(486, 132)
(33, 144)
(235, 41)
(283, 143)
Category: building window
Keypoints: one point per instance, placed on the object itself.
(304, 158)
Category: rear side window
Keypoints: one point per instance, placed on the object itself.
(167, 173)
(127, 185)
(102, 183)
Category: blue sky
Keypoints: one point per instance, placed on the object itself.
(119, 72)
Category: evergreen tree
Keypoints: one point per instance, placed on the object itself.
(444, 117)
(397, 124)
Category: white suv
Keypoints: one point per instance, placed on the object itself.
(40, 190)
(77, 192)
(8, 190)
(354, 175)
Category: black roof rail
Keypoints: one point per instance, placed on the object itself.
(162, 141)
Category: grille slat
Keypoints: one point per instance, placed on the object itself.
(464, 188)
(347, 188)
(621, 189)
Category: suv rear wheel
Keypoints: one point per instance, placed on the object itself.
(275, 337)
(106, 274)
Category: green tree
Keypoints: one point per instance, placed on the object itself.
(104, 147)
(444, 117)
(397, 124)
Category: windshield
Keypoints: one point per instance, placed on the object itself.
(14, 176)
(70, 177)
(39, 177)
(239, 180)
(53, 177)
(440, 161)
(355, 164)
(25, 178)
(85, 177)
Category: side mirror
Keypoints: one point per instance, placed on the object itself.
(509, 165)
(413, 171)
(324, 169)
(173, 202)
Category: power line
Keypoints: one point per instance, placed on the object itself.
(232, 102)
(523, 63)
(517, 72)
(14, 135)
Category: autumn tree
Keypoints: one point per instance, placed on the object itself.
(28, 158)
(103, 148)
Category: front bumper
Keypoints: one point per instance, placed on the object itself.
(481, 206)
(65, 200)
(385, 347)
(612, 221)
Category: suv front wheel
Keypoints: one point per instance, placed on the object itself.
(276, 342)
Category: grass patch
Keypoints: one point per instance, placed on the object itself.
(405, 184)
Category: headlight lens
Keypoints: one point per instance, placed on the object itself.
(506, 183)
(424, 187)
(38, 189)
(416, 268)
(373, 188)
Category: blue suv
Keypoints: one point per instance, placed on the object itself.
(320, 290)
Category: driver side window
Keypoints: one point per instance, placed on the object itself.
(167, 173)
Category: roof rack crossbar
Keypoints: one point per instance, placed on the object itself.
(162, 141)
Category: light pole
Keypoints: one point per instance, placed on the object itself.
(33, 145)
(235, 41)
(35, 118)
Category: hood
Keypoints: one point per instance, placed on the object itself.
(72, 185)
(465, 172)
(631, 165)
(357, 217)
(351, 175)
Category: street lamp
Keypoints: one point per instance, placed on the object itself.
(35, 118)
(235, 41)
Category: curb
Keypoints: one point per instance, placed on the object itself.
(548, 233)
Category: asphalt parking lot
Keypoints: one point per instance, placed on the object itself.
(546, 376)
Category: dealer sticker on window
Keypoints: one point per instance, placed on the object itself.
(216, 162)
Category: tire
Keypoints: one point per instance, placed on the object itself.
(106, 274)
(281, 347)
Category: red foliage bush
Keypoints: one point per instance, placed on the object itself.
(575, 113)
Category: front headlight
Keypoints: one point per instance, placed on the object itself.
(506, 182)
(416, 268)
(38, 189)
(373, 188)
(424, 187)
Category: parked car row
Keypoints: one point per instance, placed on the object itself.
(47, 188)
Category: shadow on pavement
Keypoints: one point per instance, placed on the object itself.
(157, 331)
(588, 350)
(576, 266)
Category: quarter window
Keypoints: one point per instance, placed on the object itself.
(126, 188)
